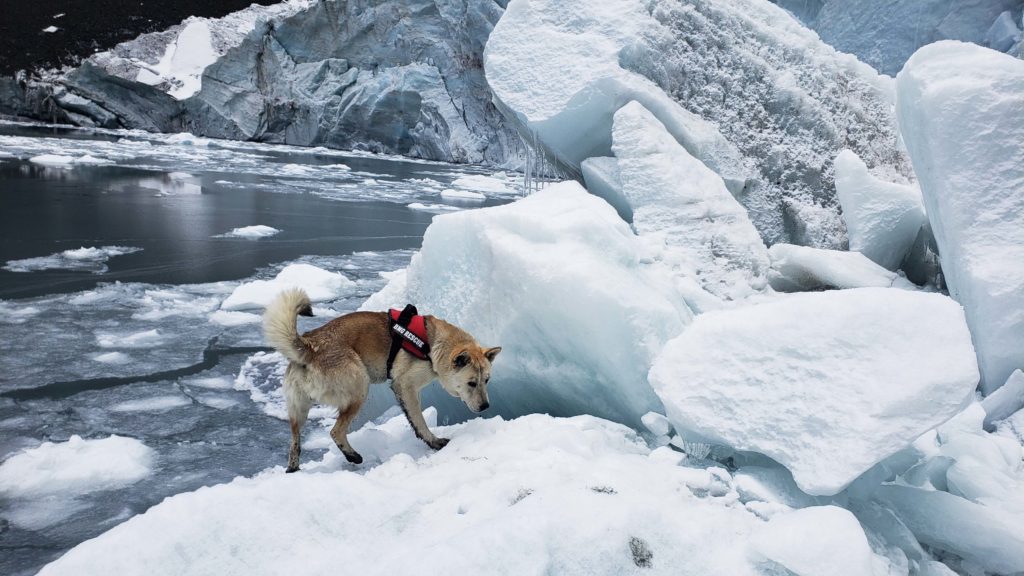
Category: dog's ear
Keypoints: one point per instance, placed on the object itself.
(461, 360)
(490, 353)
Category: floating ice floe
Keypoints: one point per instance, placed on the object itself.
(882, 218)
(143, 339)
(452, 194)
(50, 29)
(153, 404)
(959, 108)
(524, 492)
(75, 467)
(318, 283)
(801, 268)
(482, 183)
(556, 279)
(87, 259)
(827, 383)
(251, 232)
(64, 161)
(433, 208)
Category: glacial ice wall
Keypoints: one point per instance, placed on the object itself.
(399, 77)
(885, 33)
(741, 85)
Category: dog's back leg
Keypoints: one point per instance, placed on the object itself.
(359, 388)
(299, 404)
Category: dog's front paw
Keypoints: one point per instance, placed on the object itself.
(438, 443)
(353, 457)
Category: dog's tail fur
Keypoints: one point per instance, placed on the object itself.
(279, 324)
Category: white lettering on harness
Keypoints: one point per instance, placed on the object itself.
(408, 335)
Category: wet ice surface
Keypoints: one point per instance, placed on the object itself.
(102, 342)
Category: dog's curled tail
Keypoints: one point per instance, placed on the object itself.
(279, 324)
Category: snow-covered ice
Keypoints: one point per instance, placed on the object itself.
(318, 283)
(601, 176)
(802, 268)
(827, 383)
(684, 208)
(254, 232)
(1005, 401)
(556, 279)
(533, 495)
(882, 218)
(87, 259)
(959, 108)
(75, 467)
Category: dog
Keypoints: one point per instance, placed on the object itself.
(336, 363)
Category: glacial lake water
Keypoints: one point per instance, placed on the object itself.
(115, 262)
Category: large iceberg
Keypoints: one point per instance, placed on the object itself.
(741, 85)
(684, 208)
(959, 108)
(557, 280)
(828, 384)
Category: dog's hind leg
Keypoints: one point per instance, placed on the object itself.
(360, 388)
(299, 404)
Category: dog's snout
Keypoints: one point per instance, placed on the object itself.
(485, 406)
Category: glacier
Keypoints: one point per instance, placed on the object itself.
(742, 86)
(959, 108)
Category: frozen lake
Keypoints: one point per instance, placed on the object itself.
(117, 250)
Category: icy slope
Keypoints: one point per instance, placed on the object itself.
(556, 279)
(536, 495)
(960, 112)
(741, 85)
(827, 384)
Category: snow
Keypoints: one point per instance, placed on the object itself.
(882, 218)
(801, 268)
(184, 61)
(251, 232)
(533, 495)
(87, 259)
(76, 466)
(557, 280)
(318, 283)
(959, 112)
(451, 194)
(859, 373)
(816, 541)
(679, 204)
(741, 85)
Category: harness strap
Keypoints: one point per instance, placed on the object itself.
(398, 329)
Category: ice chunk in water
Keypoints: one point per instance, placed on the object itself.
(75, 467)
(89, 259)
(251, 232)
(318, 283)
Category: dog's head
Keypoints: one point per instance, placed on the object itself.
(465, 373)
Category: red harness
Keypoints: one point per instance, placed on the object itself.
(408, 331)
(413, 335)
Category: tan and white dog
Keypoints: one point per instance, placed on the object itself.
(336, 363)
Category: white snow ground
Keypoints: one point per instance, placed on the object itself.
(529, 496)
